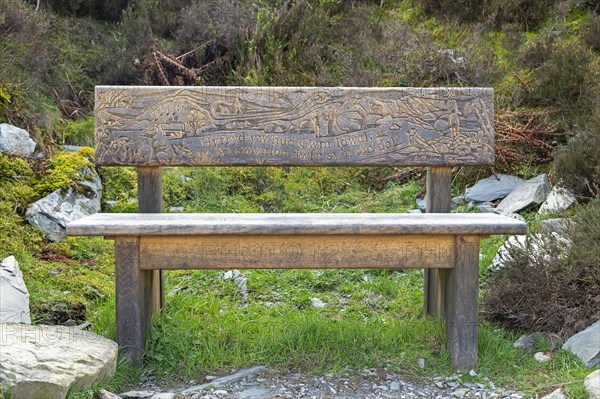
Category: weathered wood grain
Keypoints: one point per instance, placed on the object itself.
(134, 312)
(296, 252)
(462, 284)
(154, 126)
(150, 201)
(163, 224)
(439, 187)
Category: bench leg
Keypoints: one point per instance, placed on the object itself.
(137, 298)
(461, 304)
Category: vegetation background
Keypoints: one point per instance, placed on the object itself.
(542, 57)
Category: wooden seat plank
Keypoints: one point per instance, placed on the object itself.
(162, 224)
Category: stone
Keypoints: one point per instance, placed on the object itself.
(592, 385)
(422, 204)
(395, 386)
(14, 140)
(241, 281)
(137, 394)
(492, 188)
(164, 395)
(72, 148)
(14, 296)
(586, 345)
(53, 212)
(555, 225)
(531, 244)
(421, 363)
(558, 201)
(529, 193)
(527, 343)
(46, 361)
(486, 208)
(104, 394)
(255, 393)
(217, 382)
(317, 303)
(541, 357)
(557, 394)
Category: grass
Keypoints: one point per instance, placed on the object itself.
(373, 318)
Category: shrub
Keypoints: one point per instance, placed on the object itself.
(578, 164)
(552, 290)
(590, 32)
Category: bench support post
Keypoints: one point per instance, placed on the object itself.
(134, 301)
(439, 184)
(150, 201)
(461, 304)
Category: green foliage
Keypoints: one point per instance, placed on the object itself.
(578, 164)
(590, 32)
(79, 132)
(119, 184)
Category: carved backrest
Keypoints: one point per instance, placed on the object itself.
(200, 126)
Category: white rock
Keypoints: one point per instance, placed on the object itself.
(164, 395)
(14, 296)
(558, 394)
(229, 379)
(137, 394)
(532, 245)
(592, 385)
(529, 193)
(14, 140)
(558, 201)
(586, 345)
(104, 394)
(317, 303)
(421, 363)
(241, 281)
(46, 361)
(53, 212)
(541, 357)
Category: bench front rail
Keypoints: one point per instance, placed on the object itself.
(150, 127)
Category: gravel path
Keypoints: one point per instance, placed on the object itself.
(259, 383)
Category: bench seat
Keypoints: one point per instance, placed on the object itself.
(173, 224)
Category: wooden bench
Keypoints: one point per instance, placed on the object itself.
(150, 127)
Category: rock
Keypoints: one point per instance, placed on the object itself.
(246, 373)
(46, 361)
(317, 303)
(395, 386)
(534, 245)
(256, 393)
(14, 140)
(492, 188)
(176, 209)
(558, 201)
(586, 345)
(486, 208)
(556, 225)
(72, 148)
(541, 357)
(241, 281)
(526, 343)
(53, 212)
(558, 394)
(104, 394)
(14, 298)
(136, 394)
(529, 193)
(421, 363)
(422, 204)
(592, 385)
(164, 395)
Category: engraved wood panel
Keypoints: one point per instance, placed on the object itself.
(154, 126)
(295, 252)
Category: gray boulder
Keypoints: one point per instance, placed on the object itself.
(46, 361)
(586, 345)
(53, 212)
(558, 201)
(14, 298)
(592, 385)
(15, 140)
(492, 188)
(556, 394)
(529, 193)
